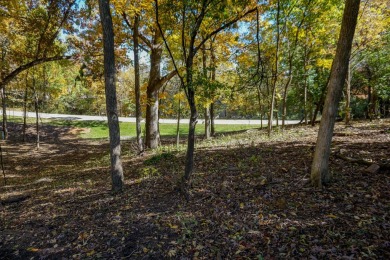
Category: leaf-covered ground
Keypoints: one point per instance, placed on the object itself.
(249, 198)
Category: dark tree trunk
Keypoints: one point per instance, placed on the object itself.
(25, 111)
(111, 101)
(36, 106)
(348, 97)
(213, 69)
(178, 124)
(4, 107)
(284, 102)
(138, 111)
(320, 167)
(207, 130)
(189, 166)
(212, 117)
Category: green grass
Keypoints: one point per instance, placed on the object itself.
(99, 129)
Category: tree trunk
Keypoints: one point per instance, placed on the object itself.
(36, 106)
(277, 113)
(207, 130)
(260, 105)
(212, 117)
(138, 111)
(320, 167)
(368, 111)
(207, 126)
(189, 166)
(151, 126)
(25, 111)
(111, 101)
(284, 102)
(305, 81)
(4, 106)
(348, 97)
(178, 124)
(275, 72)
(213, 69)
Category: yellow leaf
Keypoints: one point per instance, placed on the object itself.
(172, 252)
(173, 226)
(331, 216)
(32, 249)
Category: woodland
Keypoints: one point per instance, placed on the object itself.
(317, 189)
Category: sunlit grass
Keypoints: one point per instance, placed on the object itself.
(99, 129)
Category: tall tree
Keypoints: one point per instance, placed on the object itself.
(192, 16)
(111, 102)
(151, 39)
(138, 111)
(275, 70)
(320, 167)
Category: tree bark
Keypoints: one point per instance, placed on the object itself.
(213, 69)
(275, 72)
(25, 111)
(348, 97)
(111, 101)
(152, 136)
(284, 102)
(320, 167)
(189, 166)
(207, 130)
(151, 126)
(138, 111)
(178, 124)
(4, 107)
(36, 106)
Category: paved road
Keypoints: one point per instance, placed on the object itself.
(132, 119)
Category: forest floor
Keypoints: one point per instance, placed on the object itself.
(250, 198)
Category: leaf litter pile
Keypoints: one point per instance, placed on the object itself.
(250, 198)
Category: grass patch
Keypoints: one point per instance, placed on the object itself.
(157, 158)
(99, 129)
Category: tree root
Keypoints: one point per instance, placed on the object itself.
(383, 166)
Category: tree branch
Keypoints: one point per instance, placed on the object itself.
(165, 79)
(26, 66)
(223, 27)
(169, 49)
(142, 37)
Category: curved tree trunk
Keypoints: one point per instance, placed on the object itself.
(320, 167)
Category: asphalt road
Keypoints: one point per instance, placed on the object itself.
(132, 119)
